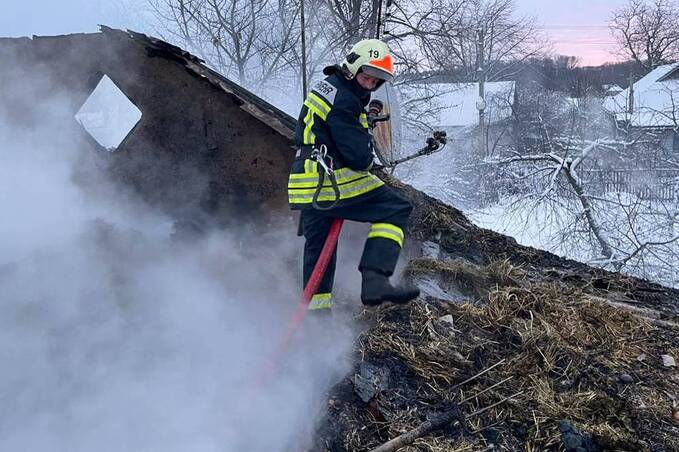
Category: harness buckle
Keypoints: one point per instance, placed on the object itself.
(320, 155)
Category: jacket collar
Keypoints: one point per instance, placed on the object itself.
(352, 85)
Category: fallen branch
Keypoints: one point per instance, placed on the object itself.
(436, 423)
(652, 316)
(429, 426)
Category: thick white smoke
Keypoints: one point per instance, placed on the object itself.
(114, 336)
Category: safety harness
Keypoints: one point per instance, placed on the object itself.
(320, 155)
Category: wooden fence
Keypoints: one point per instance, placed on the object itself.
(647, 184)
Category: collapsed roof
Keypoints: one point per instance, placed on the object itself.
(510, 348)
(229, 148)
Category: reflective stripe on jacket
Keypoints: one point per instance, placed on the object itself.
(303, 185)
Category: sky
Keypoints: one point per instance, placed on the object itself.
(48, 17)
(577, 27)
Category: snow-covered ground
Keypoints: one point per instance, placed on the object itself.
(643, 235)
(554, 229)
(533, 228)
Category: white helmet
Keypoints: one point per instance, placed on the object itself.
(371, 56)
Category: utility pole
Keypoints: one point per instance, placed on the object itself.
(304, 80)
(379, 19)
(481, 102)
(630, 98)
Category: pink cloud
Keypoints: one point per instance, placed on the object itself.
(593, 44)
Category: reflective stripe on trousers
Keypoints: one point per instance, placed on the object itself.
(387, 231)
(321, 301)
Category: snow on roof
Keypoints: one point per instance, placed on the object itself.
(612, 89)
(655, 103)
(453, 105)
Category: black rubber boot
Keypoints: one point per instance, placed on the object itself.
(377, 289)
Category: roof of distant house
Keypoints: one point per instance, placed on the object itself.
(655, 102)
(613, 89)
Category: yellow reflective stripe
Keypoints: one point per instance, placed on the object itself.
(385, 234)
(363, 119)
(317, 106)
(305, 182)
(312, 182)
(302, 177)
(345, 189)
(349, 190)
(309, 137)
(313, 108)
(387, 231)
(309, 178)
(345, 172)
(310, 167)
(321, 301)
(319, 103)
(302, 186)
(391, 227)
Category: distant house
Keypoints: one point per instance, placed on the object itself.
(456, 105)
(453, 108)
(459, 112)
(612, 90)
(651, 104)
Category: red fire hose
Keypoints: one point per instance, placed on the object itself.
(309, 291)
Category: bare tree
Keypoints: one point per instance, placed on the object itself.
(647, 32)
(257, 41)
(249, 39)
(449, 36)
(565, 145)
(278, 46)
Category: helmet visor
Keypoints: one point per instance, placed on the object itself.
(377, 73)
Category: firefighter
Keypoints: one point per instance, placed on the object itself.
(330, 176)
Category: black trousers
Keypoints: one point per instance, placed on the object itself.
(388, 212)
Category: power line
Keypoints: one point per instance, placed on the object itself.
(573, 27)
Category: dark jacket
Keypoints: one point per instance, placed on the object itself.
(333, 115)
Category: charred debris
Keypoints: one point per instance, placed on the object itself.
(510, 348)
